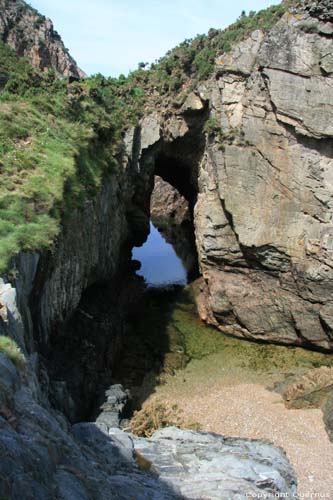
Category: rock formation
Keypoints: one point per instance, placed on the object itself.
(268, 259)
(32, 35)
(41, 456)
(261, 184)
(251, 152)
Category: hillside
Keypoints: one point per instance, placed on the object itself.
(32, 35)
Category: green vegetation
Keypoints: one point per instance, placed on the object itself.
(212, 126)
(14, 353)
(57, 141)
(195, 58)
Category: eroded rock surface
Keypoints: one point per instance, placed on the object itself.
(32, 35)
(259, 180)
(263, 191)
(263, 218)
(43, 457)
(210, 466)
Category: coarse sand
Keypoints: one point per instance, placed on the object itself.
(236, 405)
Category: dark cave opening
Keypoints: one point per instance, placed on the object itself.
(179, 175)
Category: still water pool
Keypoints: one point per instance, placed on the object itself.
(160, 265)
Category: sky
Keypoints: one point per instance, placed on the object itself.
(112, 36)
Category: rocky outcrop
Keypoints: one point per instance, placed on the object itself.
(257, 180)
(32, 35)
(43, 457)
(91, 247)
(166, 202)
(263, 192)
(313, 389)
(211, 466)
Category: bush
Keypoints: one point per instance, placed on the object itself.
(14, 353)
(212, 126)
(156, 415)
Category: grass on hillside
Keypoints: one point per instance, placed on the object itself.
(57, 141)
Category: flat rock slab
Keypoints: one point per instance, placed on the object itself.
(210, 466)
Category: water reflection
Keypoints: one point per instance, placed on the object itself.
(159, 263)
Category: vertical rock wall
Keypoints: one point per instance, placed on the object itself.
(264, 213)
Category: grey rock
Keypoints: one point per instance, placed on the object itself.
(61, 398)
(193, 102)
(243, 59)
(302, 102)
(150, 131)
(109, 448)
(210, 466)
(69, 487)
(112, 410)
(263, 217)
(88, 250)
(9, 376)
(125, 442)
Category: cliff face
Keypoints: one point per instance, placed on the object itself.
(92, 247)
(268, 207)
(263, 195)
(251, 152)
(32, 35)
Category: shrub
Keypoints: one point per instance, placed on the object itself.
(212, 126)
(156, 415)
(14, 353)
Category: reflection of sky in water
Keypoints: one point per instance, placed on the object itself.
(159, 262)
